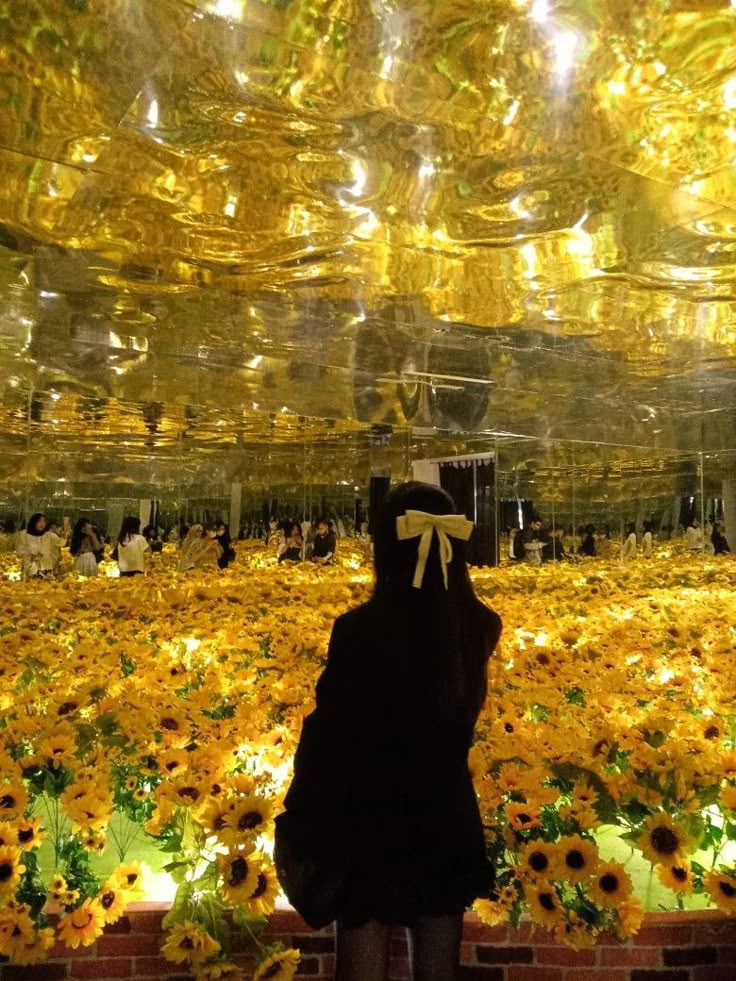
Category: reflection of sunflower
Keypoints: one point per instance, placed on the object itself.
(576, 859)
(544, 904)
(82, 926)
(721, 887)
(611, 885)
(676, 877)
(536, 859)
(240, 874)
(263, 898)
(663, 841)
(280, 966)
(10, 870)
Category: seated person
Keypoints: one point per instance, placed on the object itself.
(291, 548)
(325, 544)
(719, 540)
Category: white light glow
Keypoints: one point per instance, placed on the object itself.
(152, 114)
(426, 169)
(511, 114)
(359, 179)
(539, 11)
(229, 8)
(388, 64)
(729, 93)
(230, 205)
(564, 44)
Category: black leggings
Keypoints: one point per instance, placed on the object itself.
(434, 950)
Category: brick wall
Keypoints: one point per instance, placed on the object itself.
(670, 947)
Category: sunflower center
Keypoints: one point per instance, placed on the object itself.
(187, 944)
(219, 822)
(664, 841)
(261, 887)
(546, 900)
(712, 732)
(575, 859)
(249, 820)
(238, 871)
(82, 925)
(538, 861)
(679, 873)
(608, 882)
(524, 818)
(727, 889)
(108, 900)
(131, 878)
(67, 707)
(170, 724)
(273, 971)
(7, 801)
(25, 835)
(6, 871)
(191, 792)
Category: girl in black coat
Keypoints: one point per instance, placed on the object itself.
(381, 822)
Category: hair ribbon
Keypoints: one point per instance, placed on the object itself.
(419, 524)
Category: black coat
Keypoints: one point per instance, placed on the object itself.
(381, 788)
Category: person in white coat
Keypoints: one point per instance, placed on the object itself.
(628, 552)
(29, 547)
(694, 537)
(131, 548)
(647, 542)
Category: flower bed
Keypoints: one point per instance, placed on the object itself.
(149, 727)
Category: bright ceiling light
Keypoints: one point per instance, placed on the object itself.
(564, 45)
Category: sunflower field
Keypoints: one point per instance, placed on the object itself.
(147, 729)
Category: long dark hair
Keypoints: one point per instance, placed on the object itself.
(78, 536)
(451, 626)
(32, 522)
(130, 526)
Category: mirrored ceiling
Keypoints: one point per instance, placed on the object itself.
(239, 223)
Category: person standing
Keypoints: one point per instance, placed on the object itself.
(719, 540)
(628, 551)
(52, 544)
(587, 546)
(381, 771)
(29, 547)
(83, 546)
(131, 548)
(226, 544)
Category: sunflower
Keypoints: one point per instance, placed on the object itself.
(16, 931)
(30, 833)
(217, 815)
(83, 925)
(57, 888)
(13, 800)
(128, 877)
(677, 877)
(611, 885)
(251, 816)
(536, 860)
(491, 912)
(240, 874)
(663, 841)
(10, 870)
(112, 900)
(522, 817)
(575, 860)
(631, 916)
(263, 898)
(544, 904)
(728, 797)
(187, 942)
(219, 971)
(173, 761)
(131, 783)
(280, 966)
(36, 950)
(721, 887)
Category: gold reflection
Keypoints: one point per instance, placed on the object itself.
(510, 216)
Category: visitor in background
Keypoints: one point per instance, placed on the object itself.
(719, 540)
(226, 544)
(694, 536)
(150, 533)
(628, 551)
(381, 770)
(553, 547)
(182, 533)
(291, 549)
(131, 548)
(325, 543)
(587, 546)
(29, 547)
(531, 538)
(647, 542)
(52, 543)
(603, 546)
(200, 549)
(85, 546)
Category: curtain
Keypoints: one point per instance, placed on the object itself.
(472, 487)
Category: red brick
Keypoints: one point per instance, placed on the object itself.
(474, 930)
(534, 973)
(481, 974)
(630, 956)
(399, 968)
(660, 976)
(153, 967)
(563, 955)
(673, 935)
(316, 945)
(123, 926)
(130, 945)
(309, 967)
(467, 953)
(146, 922)
(597, 974)
(529, 932)
(715, 933)
(61, 952)
(503, 955)
(727, 955)
(51, 972)
(106, 967)
(684, 956)
(710, 973)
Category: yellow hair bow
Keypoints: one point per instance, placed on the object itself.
(419, 524)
